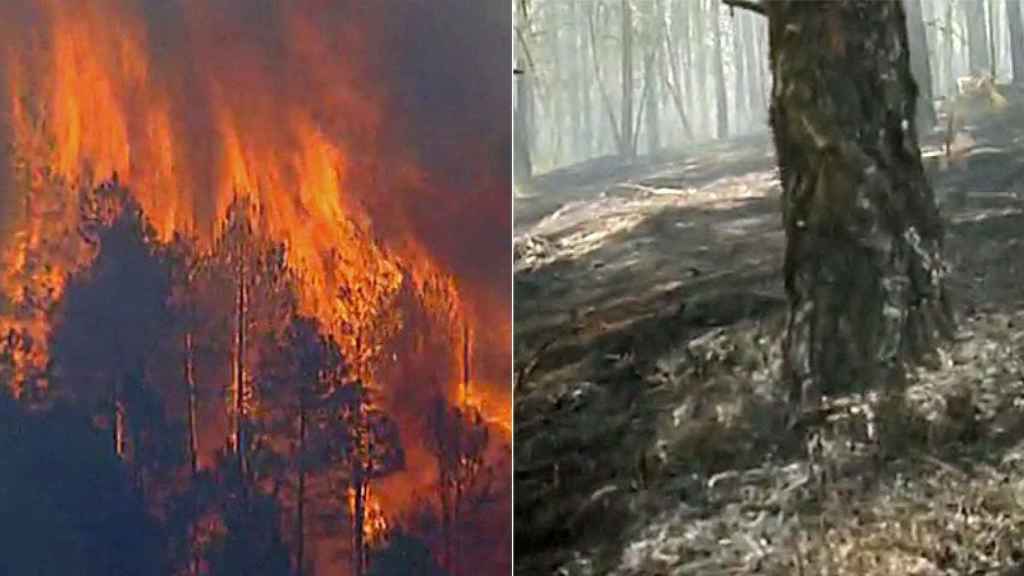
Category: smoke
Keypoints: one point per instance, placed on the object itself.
(406, 103)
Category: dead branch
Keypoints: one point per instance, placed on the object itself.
(752, 5)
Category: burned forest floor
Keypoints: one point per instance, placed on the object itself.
(650, 433)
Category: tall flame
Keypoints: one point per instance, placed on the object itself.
(191, 104)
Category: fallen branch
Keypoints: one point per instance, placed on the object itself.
(752, 5)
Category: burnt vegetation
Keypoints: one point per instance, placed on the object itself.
(127, 454)
(768, 314)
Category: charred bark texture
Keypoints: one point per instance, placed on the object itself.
(863, 268)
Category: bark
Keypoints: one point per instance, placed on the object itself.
(1013, 18)
(920, 65)
(721, 104)
(863, 266)
(626, 113)
(977, 35)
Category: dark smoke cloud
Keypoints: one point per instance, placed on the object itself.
(446, 71)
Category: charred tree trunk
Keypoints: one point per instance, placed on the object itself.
(190, 383)
(626, 149)
(241, 305)
(993, 38)
(739, 64)
(300, 512)
(523, 166)
(652, 120)
(117, 415)
(1013, 18)
(919, 65)
(722, 105)
(977, 35)
(674, 77)
(863, 268)
(700, 66)
(586, 112)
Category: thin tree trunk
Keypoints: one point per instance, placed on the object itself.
(739, 65)
(190, 387)
(241, 305)
(300, 514)
(651, 87)
(605, 99)
(700, 66)
(722, 105)
(1013, 17)
(919, 64)
(573, 85)
(993, 37)
(863, 265)
(118, 417)
(977, 35)
(755, 104)
(587, 130)
(626, 114)
(521, 145)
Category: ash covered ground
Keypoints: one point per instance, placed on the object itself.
(650, 422)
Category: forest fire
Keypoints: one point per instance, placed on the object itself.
(212, 237)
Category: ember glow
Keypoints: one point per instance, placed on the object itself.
(316, 117)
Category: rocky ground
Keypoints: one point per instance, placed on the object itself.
(649, 421)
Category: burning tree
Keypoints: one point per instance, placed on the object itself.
(112, 317)
(458, 438)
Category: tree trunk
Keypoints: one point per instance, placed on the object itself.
(977, 36)
(573, 85)
(722, 105)
(700, 66)
(117, 414)
(653, 122)
(190, 390)
(626, 113)
(993, 38)
(950, 52)
(1016, 39)
(586, 128)
(523, 167)
(863, 264)
(241, 305)
(739, 65)
(599, 81)
(300, 513)
(919, 64)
